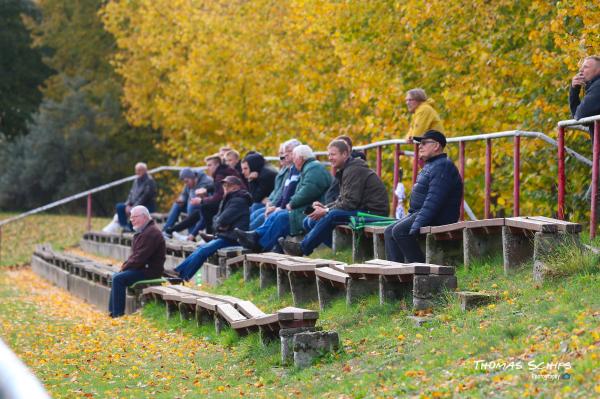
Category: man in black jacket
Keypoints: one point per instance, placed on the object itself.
(260, 177)
(435, 200)
(234, 212)
(145, 262)
(588, 77)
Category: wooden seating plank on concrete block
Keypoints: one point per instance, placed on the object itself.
(297, 277)
(249, 309)
(520, 234)
(377, 235)
(562, 225)
(331, 283)
(346, 237)
(482, 239)
(233, 264)
(444, 244)
(227, 314)
(253, 266)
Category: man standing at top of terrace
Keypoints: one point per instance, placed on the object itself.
(435, 200)
(589, 78)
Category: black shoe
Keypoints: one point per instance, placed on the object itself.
(206, 237)
(290, 247)
(247, 239)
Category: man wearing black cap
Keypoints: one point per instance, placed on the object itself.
(192, 180)
(234, 212)
(435, 200)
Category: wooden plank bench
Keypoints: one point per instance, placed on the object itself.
(346, 237)
(206, 310)
(264, 266)
(297, 275)
(376, 234)
(236, 320)
(234, 264)
(418, 282)
(331, 283)
(290, 317)
(531, 238)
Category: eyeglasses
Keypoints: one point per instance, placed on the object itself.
(425, 142)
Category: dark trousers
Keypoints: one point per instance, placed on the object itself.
(120, 282)
(401, 246)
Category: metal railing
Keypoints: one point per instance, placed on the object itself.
(397, 143)
(577, 125)
(16, 380)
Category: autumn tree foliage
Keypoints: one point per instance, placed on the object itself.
(257, 72)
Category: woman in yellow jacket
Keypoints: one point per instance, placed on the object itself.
(425, 117)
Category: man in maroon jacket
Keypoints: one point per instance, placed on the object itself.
(145, 262)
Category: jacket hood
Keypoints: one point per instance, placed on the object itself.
(255, 161)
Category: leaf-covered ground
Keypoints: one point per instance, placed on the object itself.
(536, 341)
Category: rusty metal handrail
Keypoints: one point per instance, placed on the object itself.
(574, 124)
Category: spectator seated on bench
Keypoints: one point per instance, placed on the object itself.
(314, 181)
(146, 260)
(143, 192)
(435, 200)
(193, 180)
(360, 190)
(234, 212)
(208, 205)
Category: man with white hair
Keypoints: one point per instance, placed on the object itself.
(143, 192)
(314, 182)
(145, 262)
(588, 77)
(285, 185)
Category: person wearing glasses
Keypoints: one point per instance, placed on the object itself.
(435, 200)
(424, 116)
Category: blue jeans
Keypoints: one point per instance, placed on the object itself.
(256, 206)
(192, 263)
(322, 229)
(174, 213)
(257, 218)
(122, 215)
(120, 282)
(277, 225)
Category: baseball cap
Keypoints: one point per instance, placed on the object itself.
(433, 135)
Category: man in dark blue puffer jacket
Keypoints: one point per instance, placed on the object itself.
(435, 200)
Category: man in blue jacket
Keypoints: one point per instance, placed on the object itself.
(435, 200)
(589, 78)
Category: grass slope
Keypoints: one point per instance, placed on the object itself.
(508, 349)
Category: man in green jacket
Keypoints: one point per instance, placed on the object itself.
(361, 190)
(314, 182)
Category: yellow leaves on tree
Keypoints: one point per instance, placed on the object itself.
(210, 72)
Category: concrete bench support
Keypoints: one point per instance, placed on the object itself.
(358, 288)
(427, 287)
(479, 244)
(392, 288)
(440, 251)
